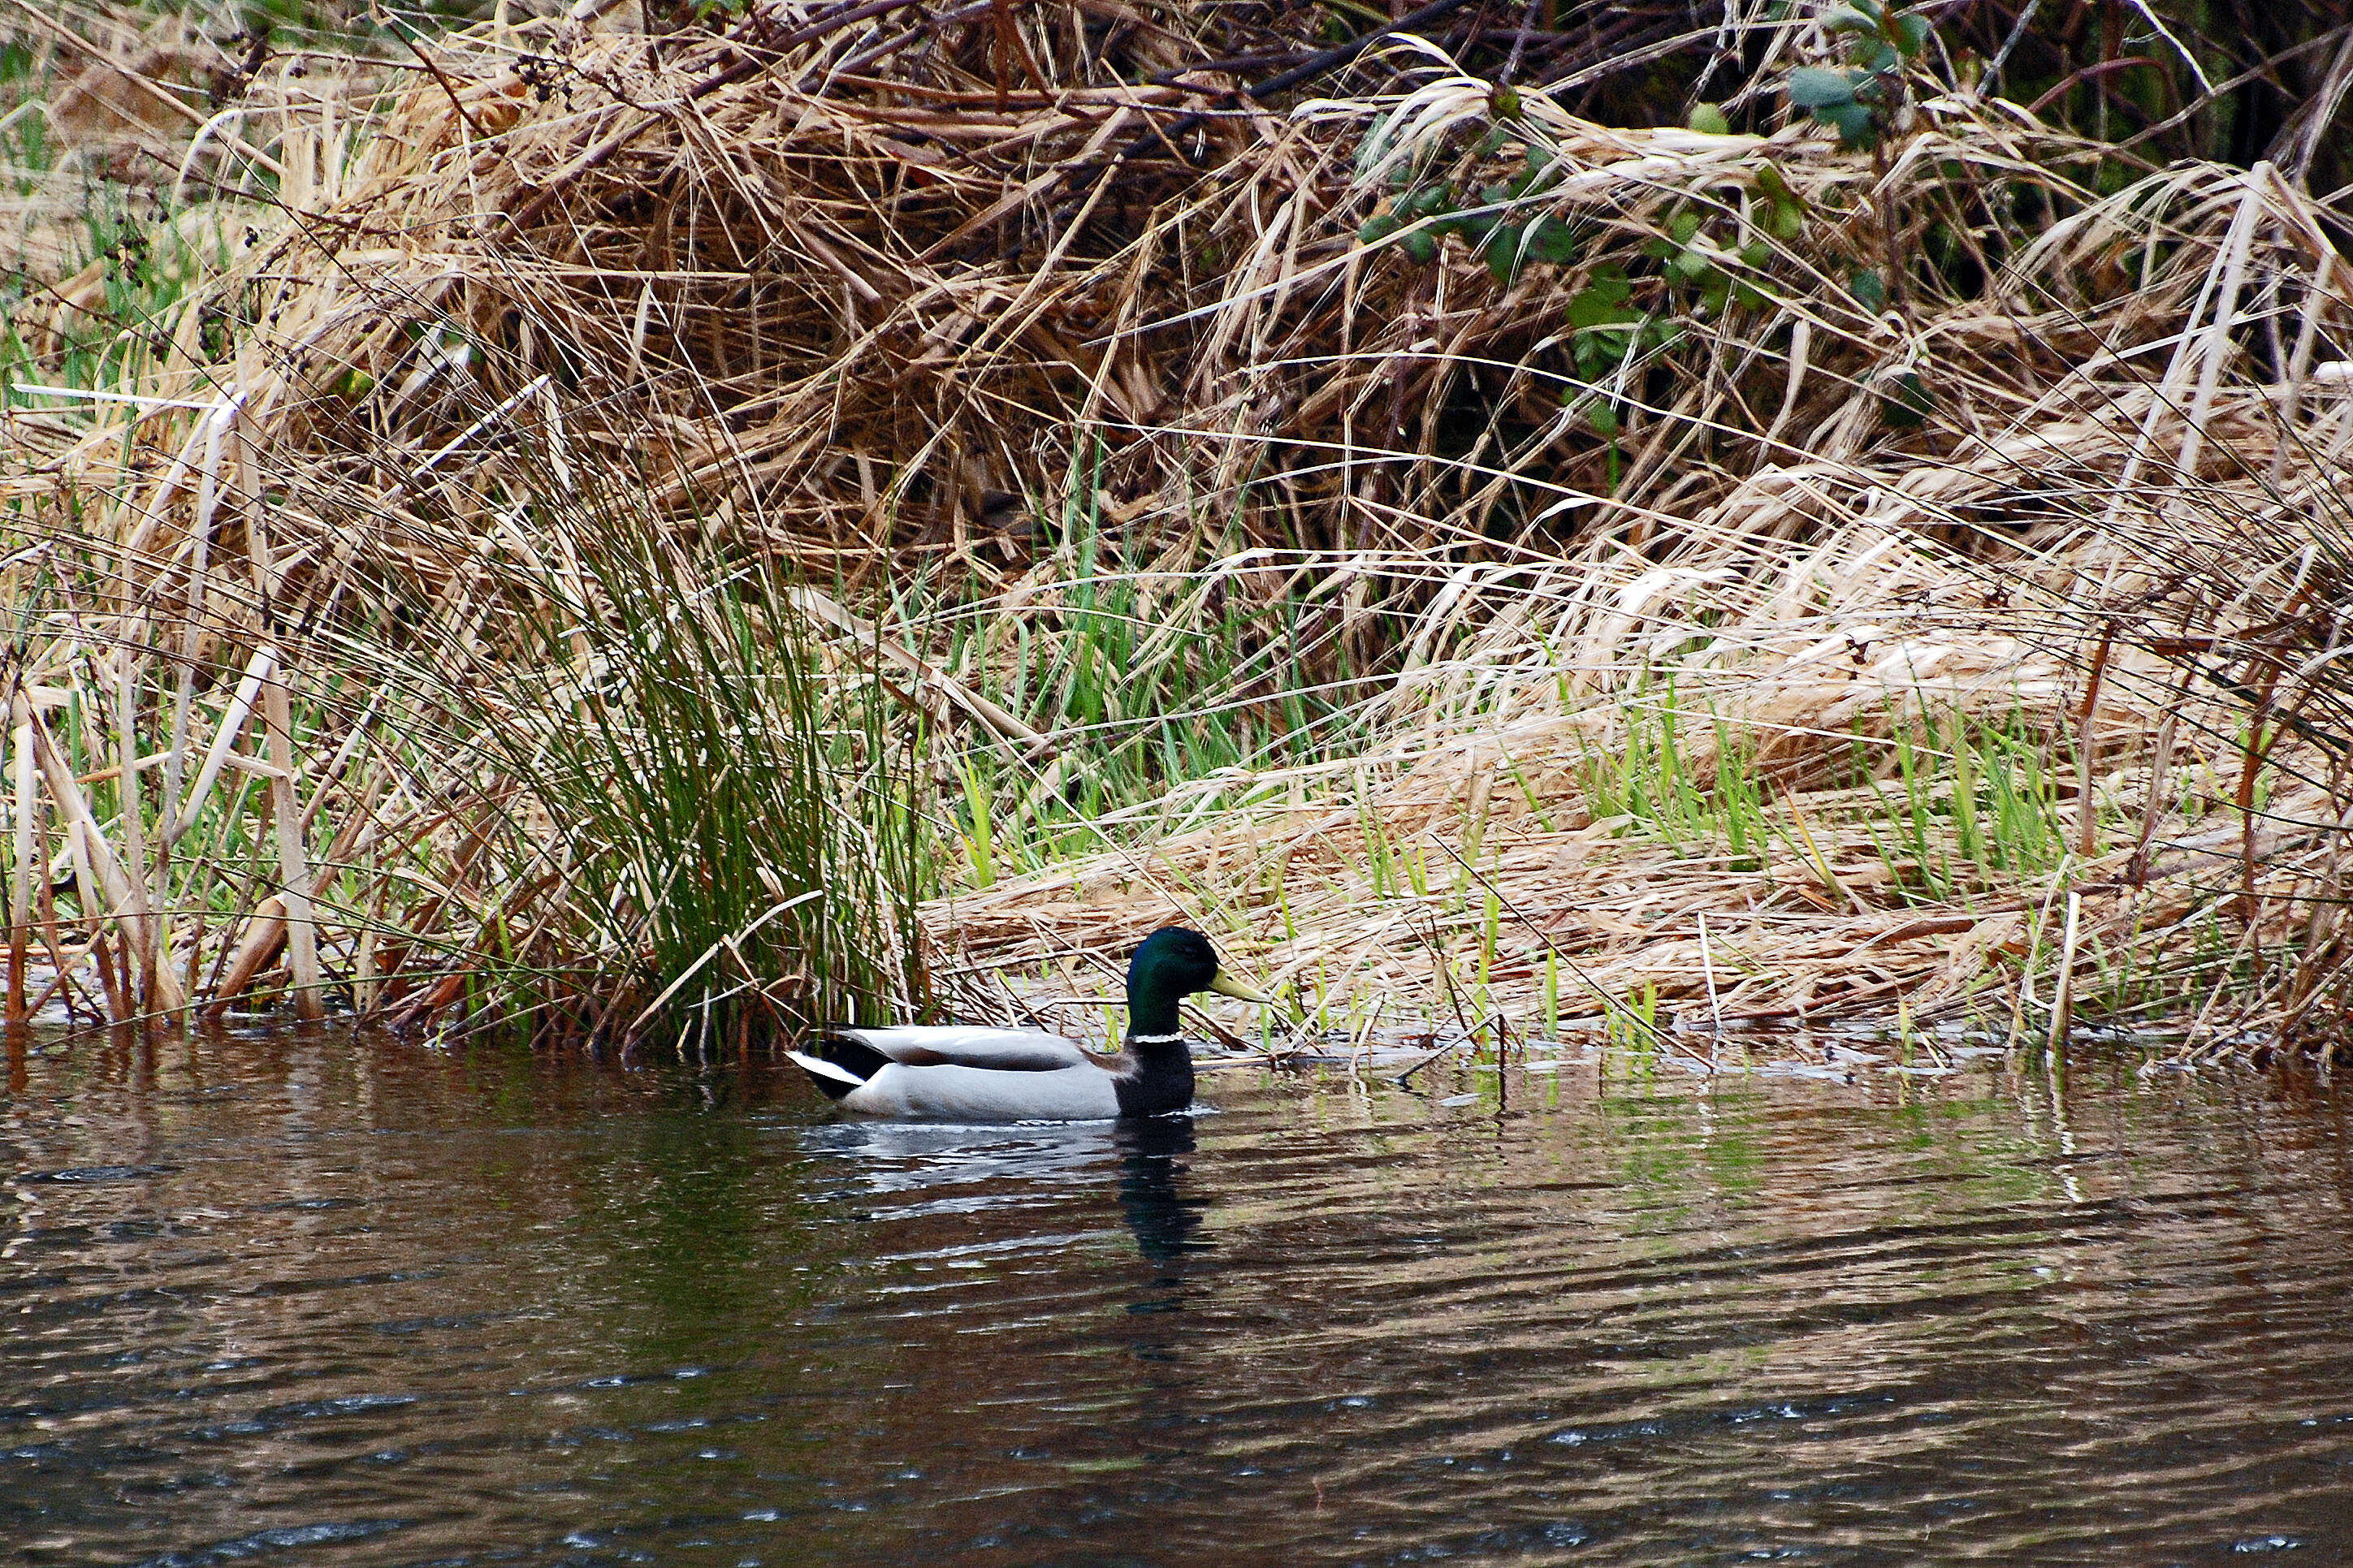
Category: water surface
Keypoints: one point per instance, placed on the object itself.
(304, 1298)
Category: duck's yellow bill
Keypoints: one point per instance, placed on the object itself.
(1225, 985)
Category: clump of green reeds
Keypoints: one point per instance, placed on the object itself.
(599, 782)
(728, 834)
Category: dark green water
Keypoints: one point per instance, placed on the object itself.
(307, 1300)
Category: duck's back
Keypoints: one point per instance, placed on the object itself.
(961, 1045)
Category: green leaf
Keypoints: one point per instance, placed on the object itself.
(1378, 227)
(1817, 87)
(1553, 241)
(1911, 34)
(1708, 119)
(1862, 17)
(1853, 121)
(1788, 221)
(1695, 264)
(1591, 309)
(1422, 245)
(1869, 287)
(1503, 252)
(1597, 413)
(1755, 252)
(1905, 402)
(1681, 227)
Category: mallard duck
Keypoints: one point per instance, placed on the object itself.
(958, 1074)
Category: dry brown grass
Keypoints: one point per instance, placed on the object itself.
(836, 292)
(1436, 871)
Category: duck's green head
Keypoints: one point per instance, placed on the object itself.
(1172, 964)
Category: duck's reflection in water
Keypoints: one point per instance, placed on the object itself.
(1166, 1229)
(1164, 1223)
(931, 1169)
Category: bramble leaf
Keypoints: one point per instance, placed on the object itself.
(1851, 121)
(1588, 309)
(1503, 252)
(1906, 403)
(1817, 87)
(1611, 284)
(1552, 241)
(1598, 413)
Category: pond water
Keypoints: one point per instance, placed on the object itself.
(307, 1298)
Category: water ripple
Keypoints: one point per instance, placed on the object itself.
(371, 1309)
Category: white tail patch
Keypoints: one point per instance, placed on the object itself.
(818, 1066)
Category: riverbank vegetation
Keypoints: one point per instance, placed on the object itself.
(1516, 519)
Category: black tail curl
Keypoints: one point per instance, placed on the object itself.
(856, 1058)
